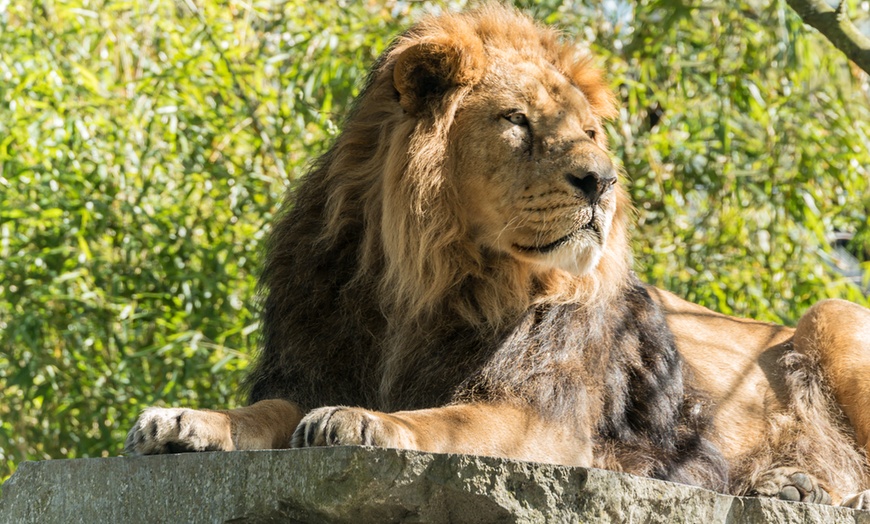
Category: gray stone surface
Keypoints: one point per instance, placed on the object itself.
(362, 485)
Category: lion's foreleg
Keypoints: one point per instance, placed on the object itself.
(477, 429)
(268, 424)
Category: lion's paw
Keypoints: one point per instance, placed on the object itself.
(177, 430)
(341, 426)
(857, 501)
(791, 484)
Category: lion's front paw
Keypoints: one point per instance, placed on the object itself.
(791, 484)
(340, 426)
(176, 430)
(857, 501)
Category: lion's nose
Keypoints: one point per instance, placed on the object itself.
(592, 184)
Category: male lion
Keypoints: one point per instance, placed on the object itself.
(459, 262)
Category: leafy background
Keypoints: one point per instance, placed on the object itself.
(145, 147)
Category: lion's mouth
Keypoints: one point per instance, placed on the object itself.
(592, 225)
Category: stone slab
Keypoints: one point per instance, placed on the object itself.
(359, 485)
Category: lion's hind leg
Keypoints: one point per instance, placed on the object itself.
(268, 424)
(838, 333)
(832, 350)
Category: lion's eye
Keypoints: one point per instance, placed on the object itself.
(591, 133)
(517, 119)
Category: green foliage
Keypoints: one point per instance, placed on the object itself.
(144, 147)
(143, 151)
(760, 157)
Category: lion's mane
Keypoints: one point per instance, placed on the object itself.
(375, 295)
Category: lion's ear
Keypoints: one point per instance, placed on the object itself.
(427, 70)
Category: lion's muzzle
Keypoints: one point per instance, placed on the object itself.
(592, 185)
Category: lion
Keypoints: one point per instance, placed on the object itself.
(454, 275)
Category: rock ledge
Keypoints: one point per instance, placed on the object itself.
(359, 485)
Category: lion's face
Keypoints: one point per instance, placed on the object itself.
(531, 168)
(496, 187)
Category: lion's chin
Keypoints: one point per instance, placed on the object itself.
(577, 258)
(577, 254)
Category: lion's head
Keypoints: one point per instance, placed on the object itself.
(475, 168)
(470, 182)
(527, 156)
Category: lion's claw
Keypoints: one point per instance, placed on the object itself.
(857, 501)
(340, 426)
(791, 484)
(176, 430)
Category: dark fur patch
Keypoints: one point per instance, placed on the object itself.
(647, 422)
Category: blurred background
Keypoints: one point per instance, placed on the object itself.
(146, 145)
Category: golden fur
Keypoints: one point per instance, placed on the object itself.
(784, 398)
(459, 261)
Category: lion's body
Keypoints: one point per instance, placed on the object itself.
(772, 392)
(456, 271)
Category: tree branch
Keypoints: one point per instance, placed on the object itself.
(836, 26)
